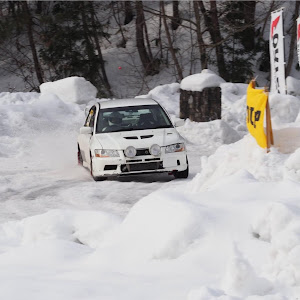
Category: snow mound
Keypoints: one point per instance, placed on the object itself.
(198, 82)
(279, 224)
(242, 155)
(17, 98)
(27, 129)
(208, 293)
(167, 95)
(293, 86)
(84, 227)
(216, 131)
(241, 279)
(234, 106)
(292, 166)
(162, 225)
(284, 109)
(72, 89)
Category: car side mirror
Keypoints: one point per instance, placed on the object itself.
(86, 130)
(179, 123)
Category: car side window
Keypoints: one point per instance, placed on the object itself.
(90, 118)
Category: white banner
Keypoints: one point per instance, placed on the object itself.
(277, 53)
(298, 39)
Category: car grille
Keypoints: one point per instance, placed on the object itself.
(150, 166)
(142, 152)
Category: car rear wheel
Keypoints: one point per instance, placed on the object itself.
(96, 178)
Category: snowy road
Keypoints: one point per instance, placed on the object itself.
(230, 231)
(52, 180)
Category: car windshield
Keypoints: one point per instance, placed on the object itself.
(132, 118)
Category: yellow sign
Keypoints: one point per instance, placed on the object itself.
(256, 106)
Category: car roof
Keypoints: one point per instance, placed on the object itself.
(127, 102)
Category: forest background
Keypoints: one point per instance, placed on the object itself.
(128, 47)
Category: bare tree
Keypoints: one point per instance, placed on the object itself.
(145, 57)
(128, 12)
(175, 18)
(293, 38)
(97, 43)
(29, 23)
(201, 45)
(212, 24)
(171, 48)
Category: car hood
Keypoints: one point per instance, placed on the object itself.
(139, 139)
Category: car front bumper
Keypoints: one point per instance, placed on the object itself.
(116, 166)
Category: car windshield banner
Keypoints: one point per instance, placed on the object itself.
(256, 106)
(298, 39)
(277, 53)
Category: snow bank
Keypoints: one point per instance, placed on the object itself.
(284, 109)
(234, 106)
(84, 227)
(279, 224)
(167, 95)
(72, 89)
(208, 293)
(42, 129)
(161, 226)
(17, 98)
(207, 133)
(198, 82)
(293, 86)
(241, 279)
(243, 155)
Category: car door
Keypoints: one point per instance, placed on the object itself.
(85, 138)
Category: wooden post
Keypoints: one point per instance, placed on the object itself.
(270, 139)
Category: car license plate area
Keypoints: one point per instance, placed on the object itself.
(149, 166)
(170, 162)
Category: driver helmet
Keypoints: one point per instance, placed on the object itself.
(115, 118)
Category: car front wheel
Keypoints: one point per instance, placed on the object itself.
(96, 178)
(183, 174)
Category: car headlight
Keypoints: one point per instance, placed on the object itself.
(154, 150)
(106, 153)
(130, 152)
(179, 147)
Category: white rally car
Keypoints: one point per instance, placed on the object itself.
(131, 136)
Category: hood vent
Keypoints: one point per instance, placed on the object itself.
(146, 136)
(130, 137)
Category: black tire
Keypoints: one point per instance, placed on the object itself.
(96, 178)
(183, 174)
(79, 157)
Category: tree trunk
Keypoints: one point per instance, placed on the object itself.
(212, 25)
(97, 42)
(29, 23)
(89, 46)
(178, 68)
(248, 38)
(116, 15)
(140, 23)
(293, 39)
(202, 106)
(176, 18)
(200, 41)
(128, 12)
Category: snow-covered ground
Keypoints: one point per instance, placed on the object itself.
(231, 231)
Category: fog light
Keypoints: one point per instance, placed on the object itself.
(155, 150)
(130, 151)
